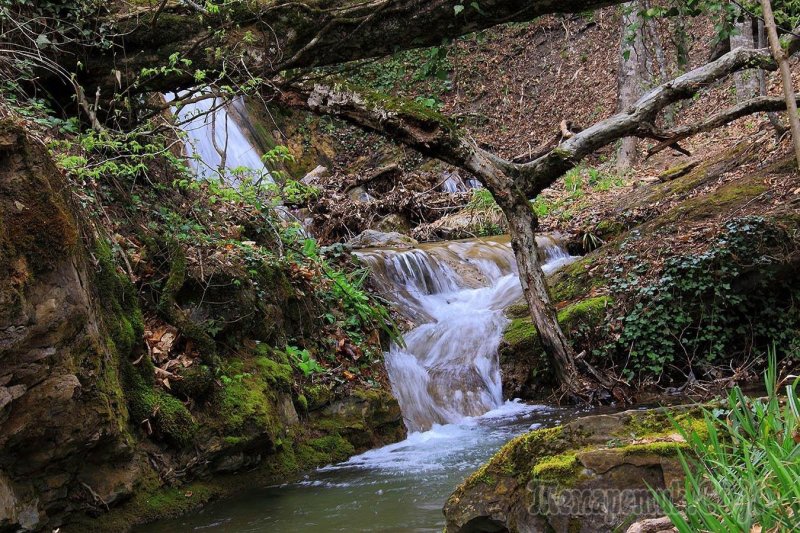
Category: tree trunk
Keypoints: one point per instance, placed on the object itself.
(629, 78)
(746, 80)
(786, 75)
(522, 227)
(774, 118)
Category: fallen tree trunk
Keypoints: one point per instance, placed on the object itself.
(262, 38)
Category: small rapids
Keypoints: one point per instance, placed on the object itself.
(447, 381)
(455, 292)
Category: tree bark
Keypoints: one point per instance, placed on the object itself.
(630, 77)
(266, 37)
(522, 225)
(782, 59)
(773, 117)
(746, 80)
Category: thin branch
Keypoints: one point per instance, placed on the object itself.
(756, 105)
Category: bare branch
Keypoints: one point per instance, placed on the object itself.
(436, 136)
(756, 105)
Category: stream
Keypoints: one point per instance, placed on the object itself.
(445, 376)
(447, 380)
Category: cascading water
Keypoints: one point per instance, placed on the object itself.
(212, 129)
(456, 293)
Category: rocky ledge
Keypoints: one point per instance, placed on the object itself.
(592, 474)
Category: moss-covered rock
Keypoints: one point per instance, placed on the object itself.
(528, 485)
(525, 369)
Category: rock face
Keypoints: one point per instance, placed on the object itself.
(590, 475)
(60, 404)
(84, 427)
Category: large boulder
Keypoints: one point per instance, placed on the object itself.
(593, 474)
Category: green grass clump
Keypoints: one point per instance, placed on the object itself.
(747, 473)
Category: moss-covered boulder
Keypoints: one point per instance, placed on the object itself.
(524, 366)
(590, 475)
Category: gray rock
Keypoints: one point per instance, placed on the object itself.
(313, 178)
(376, 239)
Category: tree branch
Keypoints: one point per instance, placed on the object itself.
(310, 34)
(760, 104)
(437, 136)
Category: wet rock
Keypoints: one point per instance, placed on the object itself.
(590, 475)
(377, 239)
(366, 419)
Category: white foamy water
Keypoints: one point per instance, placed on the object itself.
(210, 134)
(444, 446)
(456, 291)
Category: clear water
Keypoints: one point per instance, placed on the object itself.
(446, 378)
(401, 487)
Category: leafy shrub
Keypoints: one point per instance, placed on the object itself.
(710, 306)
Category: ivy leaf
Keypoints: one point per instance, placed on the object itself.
(42, 41)
(458, 8)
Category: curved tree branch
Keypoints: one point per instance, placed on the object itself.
(437, 136)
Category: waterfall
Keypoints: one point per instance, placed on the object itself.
(456, 293)
(212, 128)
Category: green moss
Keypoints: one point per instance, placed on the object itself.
(334, 446)
(724, 199)
(318, 396)
(521, 333)
(608, 229)
(589, 312)
(658, 423)
(196, 382)
(660, 448)
(167, 416)
(278, 375)
(171, 311)
(677, 171)
(559, 468)
(516, 459)
(301, 404)
(117, 296)
(518, 310)
(151, 501)
(574, 280)
(243, 403)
